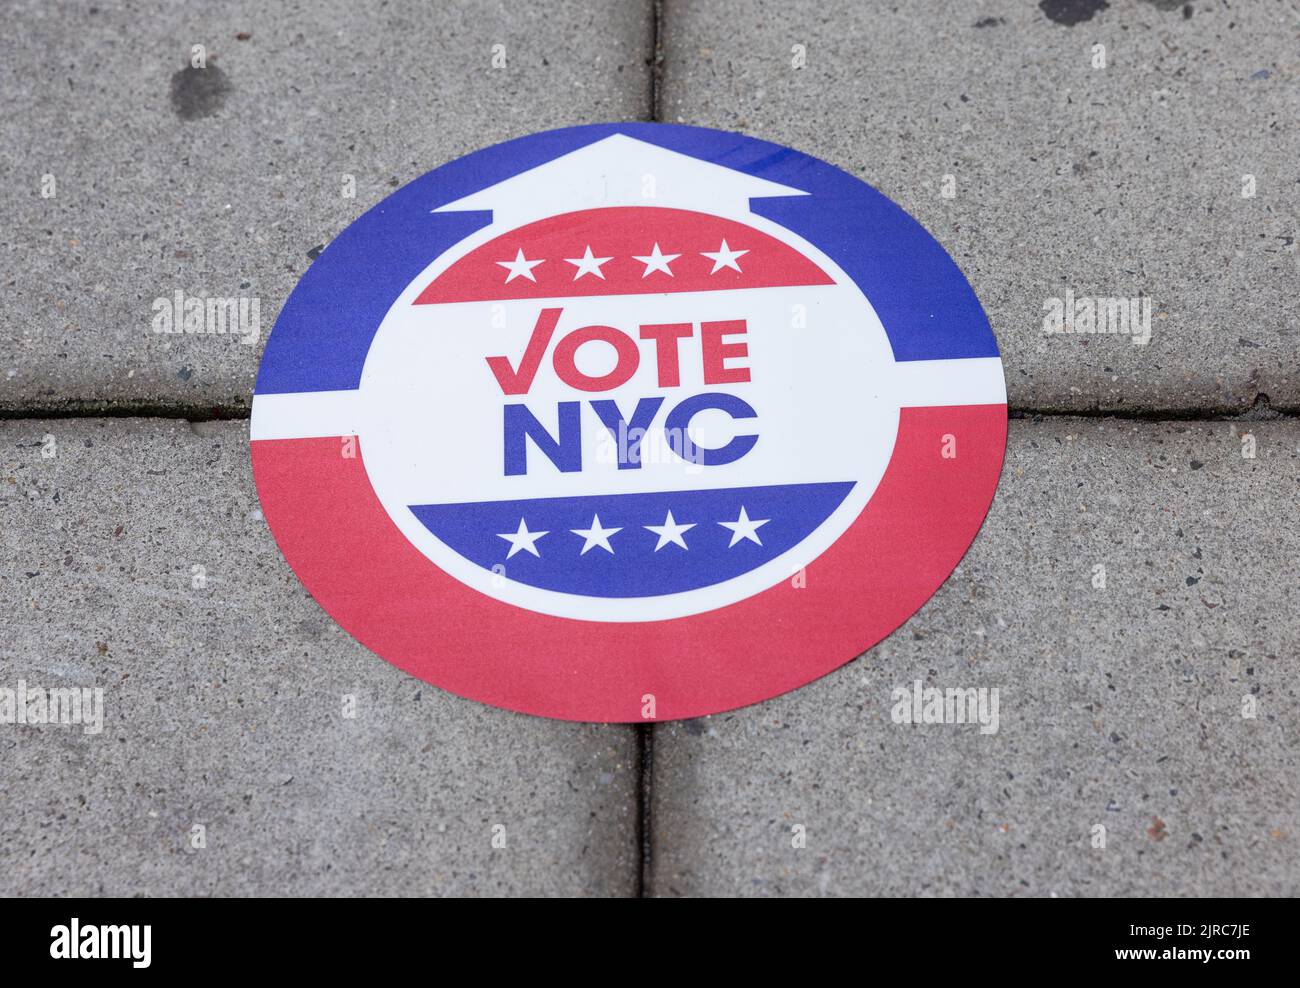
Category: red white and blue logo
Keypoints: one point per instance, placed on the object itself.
(628, 422)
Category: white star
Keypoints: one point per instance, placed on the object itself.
(670, 531)
(744, 528)
(595, 535)
(522, 539)
(520, 266)
(586, 264)
(724, 257)
(655, 261)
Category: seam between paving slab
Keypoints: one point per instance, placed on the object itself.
(657, 60)
(1262, 410)
(645, 746)
(164, 411)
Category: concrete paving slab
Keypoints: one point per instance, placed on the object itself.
(1171, 173)
(127, 175)
(1131, 597)
(137, 562)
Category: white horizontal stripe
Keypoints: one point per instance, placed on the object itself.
(306, 415)
(916, 383)
(968, 381)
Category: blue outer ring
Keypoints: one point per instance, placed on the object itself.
(324, 332)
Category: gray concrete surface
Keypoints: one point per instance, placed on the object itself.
(224, 706)
(1110, 182)
(225, 181)
(1119, 706)
(224, 686)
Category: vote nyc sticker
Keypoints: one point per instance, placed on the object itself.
(628, 422)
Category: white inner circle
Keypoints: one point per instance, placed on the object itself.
(431, 414)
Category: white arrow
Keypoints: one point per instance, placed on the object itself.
(619, 171)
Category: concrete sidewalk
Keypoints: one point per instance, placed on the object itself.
(1121, 704)
(1119, 181)
(227, 181)
(139, 561)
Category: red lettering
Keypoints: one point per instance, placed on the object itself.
(717, 353)
(518, 382)
(629, 358)
(665, 336)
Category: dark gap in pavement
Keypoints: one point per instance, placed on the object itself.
(1261, 410)
(645, 746)
(81, 409)
(656, 60)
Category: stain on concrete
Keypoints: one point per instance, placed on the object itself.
(1071, 12)
(199, 93)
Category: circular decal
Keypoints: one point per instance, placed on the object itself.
(628, 422)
